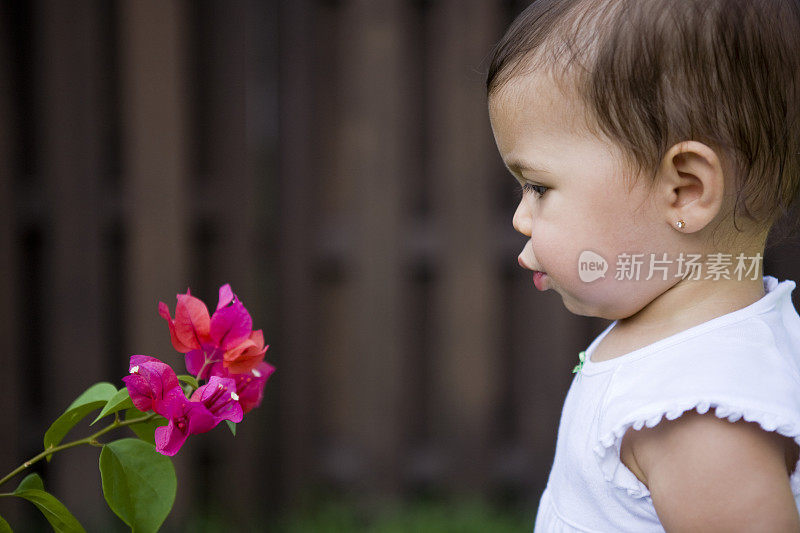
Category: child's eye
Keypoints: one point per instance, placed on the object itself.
(538, 190)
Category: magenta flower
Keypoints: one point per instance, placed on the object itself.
(220, 398)
(205, 339)
(221, 348)
(209, 405)
(151, 384)
(231, 324)
(200, 362)
(250, 386)
(185, 418)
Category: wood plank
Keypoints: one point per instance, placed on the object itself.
(10, 326)
(262, 142)
(296, 298)
(229, 188)
(155, 186)
(462, 155)
(374, 138)
(68, 73)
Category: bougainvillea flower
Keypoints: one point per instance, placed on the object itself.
(209, 405)
(205, 338)
(226, 296)
(191, 326)
(221, 348)
(231, 325)
(250, 386)
(243, 358)
(152, 384)
(199, 363)
(220, 398)
(185, 418)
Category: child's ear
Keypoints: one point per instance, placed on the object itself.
(692, 185)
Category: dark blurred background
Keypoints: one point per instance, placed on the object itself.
(333, 161)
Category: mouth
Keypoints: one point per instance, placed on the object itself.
(539, 276)
(539, 280)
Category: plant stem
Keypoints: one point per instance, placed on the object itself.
(91, 440)
(206, 360)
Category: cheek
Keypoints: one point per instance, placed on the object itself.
(557, 245)
(606, 230)
(601, 295)
(560, 237)
(609, 224)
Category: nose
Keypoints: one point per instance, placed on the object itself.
(522, 219)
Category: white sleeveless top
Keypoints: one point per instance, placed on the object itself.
(745, 364)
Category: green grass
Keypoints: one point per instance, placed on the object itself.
(450, 516)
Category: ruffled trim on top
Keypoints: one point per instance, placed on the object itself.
(608, 449)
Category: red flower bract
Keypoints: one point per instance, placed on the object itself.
(247, 355)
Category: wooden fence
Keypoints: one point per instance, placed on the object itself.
(333, 161)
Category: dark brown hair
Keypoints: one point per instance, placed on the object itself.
(652, 73)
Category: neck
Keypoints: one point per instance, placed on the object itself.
(691, 302)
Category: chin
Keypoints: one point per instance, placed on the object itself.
(594, 309)
(577, 307)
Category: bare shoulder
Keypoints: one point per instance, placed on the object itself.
(707, 473)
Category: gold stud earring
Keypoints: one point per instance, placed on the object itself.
(680, 224)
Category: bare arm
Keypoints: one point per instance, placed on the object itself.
(709, 474)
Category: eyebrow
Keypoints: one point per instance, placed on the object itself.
(519, 165)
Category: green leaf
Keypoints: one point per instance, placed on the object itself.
(31, 481)
(121, 400)
(4, 527)
(232, 427)
(97, 392)
(94, 398)
(52, 509)
(145, 430)
(139, 483)
(189, 380)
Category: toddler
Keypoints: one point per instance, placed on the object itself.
(656, 144)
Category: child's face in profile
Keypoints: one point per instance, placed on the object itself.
(576, 201)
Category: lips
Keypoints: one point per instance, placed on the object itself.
(539, 277)
(539, 280)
